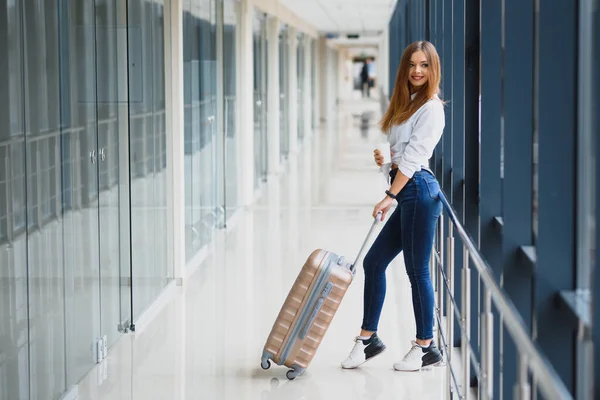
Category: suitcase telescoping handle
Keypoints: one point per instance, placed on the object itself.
(364, 245)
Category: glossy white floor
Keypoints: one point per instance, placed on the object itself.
(207, 342)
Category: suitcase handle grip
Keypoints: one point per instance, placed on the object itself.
(364, 245)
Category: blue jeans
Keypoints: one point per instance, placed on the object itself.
(410, 228)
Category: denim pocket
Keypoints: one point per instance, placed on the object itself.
(433, 187)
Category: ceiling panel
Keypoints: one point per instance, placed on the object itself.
(346, 16)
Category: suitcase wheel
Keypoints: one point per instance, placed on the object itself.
(292, 374)
(265, 364)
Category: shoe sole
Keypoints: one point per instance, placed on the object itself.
(367, 360)
(421, 368)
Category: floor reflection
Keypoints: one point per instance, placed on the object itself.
(207, 342)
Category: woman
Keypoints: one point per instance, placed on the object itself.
(413, 123)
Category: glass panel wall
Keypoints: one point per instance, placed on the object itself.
(283, 89)
(14, 324)
(202, 209)
(230, 49)
(336, 86)
(313, 83)
(301, 74)
(260, 97)
(112, 161)
(148, 148)
(61, 136)
(332, 82)
(80, 186)
(64, 183)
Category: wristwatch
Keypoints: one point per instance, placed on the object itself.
(392, 195)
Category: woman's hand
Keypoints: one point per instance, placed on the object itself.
(383, 206)
(378, 158)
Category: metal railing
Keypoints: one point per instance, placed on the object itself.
(530, 360)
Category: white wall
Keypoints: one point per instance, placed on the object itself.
(273, 95)
(175, 135)
(292, 89)
(307, 90)
(383, 62)
(245, 132)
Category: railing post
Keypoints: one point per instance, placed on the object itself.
(432, 264)
(449, 307)
(434, 284)
(522, 390)
(439, 282)
(487, 348)
(466, 324)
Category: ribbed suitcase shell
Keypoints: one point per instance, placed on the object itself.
(301, 324)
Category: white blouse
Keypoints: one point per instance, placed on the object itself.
(412, 142)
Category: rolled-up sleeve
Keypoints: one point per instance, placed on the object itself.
(425, 135)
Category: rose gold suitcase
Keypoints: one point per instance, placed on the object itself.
(309, 309)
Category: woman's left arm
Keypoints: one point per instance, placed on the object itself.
(426, 134)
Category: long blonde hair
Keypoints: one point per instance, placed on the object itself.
(401, 107)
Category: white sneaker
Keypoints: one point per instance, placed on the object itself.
(363, 351)
(419, 357)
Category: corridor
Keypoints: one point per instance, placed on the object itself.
(167, 166)
(207, 340)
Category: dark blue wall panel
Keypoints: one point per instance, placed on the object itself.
(557, 204)
(457, 121)
(517, 195)
(506, 133)
(490, 206)
(472, 14)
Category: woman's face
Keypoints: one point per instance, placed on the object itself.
(418, 73)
